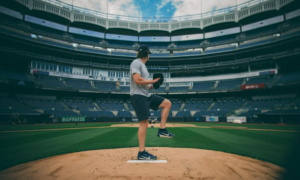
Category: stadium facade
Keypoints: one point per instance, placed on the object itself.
(62, 62)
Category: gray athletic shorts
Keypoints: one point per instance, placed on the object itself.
(142, 104)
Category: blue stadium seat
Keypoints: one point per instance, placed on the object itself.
(105, 86)
(234, 84)
(288, 77)
(203, 86)
(48, 81)
(79, 84)
(124, 114)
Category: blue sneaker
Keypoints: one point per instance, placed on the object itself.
(146, 156)
(165, 133)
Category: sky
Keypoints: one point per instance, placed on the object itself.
(155, 8)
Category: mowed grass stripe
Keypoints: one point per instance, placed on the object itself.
(17, 139)
(274, 138)
(252, 147)
(115, 138)
(184, 137)
(51, 126)
(44, 148)
(250, 126)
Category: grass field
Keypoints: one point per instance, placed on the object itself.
(39, 141)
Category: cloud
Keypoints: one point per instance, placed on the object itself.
(117, 7)
(189, 7)
(160, 6)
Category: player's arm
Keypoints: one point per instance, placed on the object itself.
(141, 81)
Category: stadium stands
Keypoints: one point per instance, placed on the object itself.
(48, 81)
(13, 74)
(219, 50)
(260, 79)
(175, 104)
(124, 114)
(288, 77)
(234, 84)
(188, 43)
(55, 43)
(111, 104)
(41, 103)
(178, 89)
(158, 113)
(212, 112)
(160, 55)
(123, 53)
(252, 44)
(79, 84)
(105, 86)
(61, 113)
(266, 104)
(159, 90)
(250, 113)
(197, 104)
(228, 104)
(183, 114)
(97, 113)
(80, 104)
(124, 88)
(11, 105)
(203, 86)
(93, 50)
(190, 53)
(116, 43)
(86, 39)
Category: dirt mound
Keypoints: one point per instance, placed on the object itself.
(112, 164)
(154, 125)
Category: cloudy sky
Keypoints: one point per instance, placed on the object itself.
(155, 8)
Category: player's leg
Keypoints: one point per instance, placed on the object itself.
(141, 108)
(143, 154)
(142, 134)
(166, 106)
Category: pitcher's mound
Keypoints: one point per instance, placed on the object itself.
(112, 164)
(154, 125)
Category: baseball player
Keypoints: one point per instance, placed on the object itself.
(15, 118)
(152, 120)
(142, 100)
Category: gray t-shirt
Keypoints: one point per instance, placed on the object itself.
(137, 66)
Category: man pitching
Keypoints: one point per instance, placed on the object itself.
(142, 101)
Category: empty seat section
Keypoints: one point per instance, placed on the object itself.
(79, 84)
(105, 86)
(234, 84)
(203, 86)
(50, 81)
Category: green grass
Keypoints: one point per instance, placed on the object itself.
(251, 126)
(25, 146)
(52, 126)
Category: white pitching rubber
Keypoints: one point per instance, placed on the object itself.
(147, 161)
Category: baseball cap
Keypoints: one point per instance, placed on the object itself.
(144, 48)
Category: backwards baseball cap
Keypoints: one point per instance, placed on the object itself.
(144, 48)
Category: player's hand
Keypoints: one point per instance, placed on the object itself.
(155, 80)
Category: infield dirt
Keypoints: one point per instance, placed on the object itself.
(182, 163)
